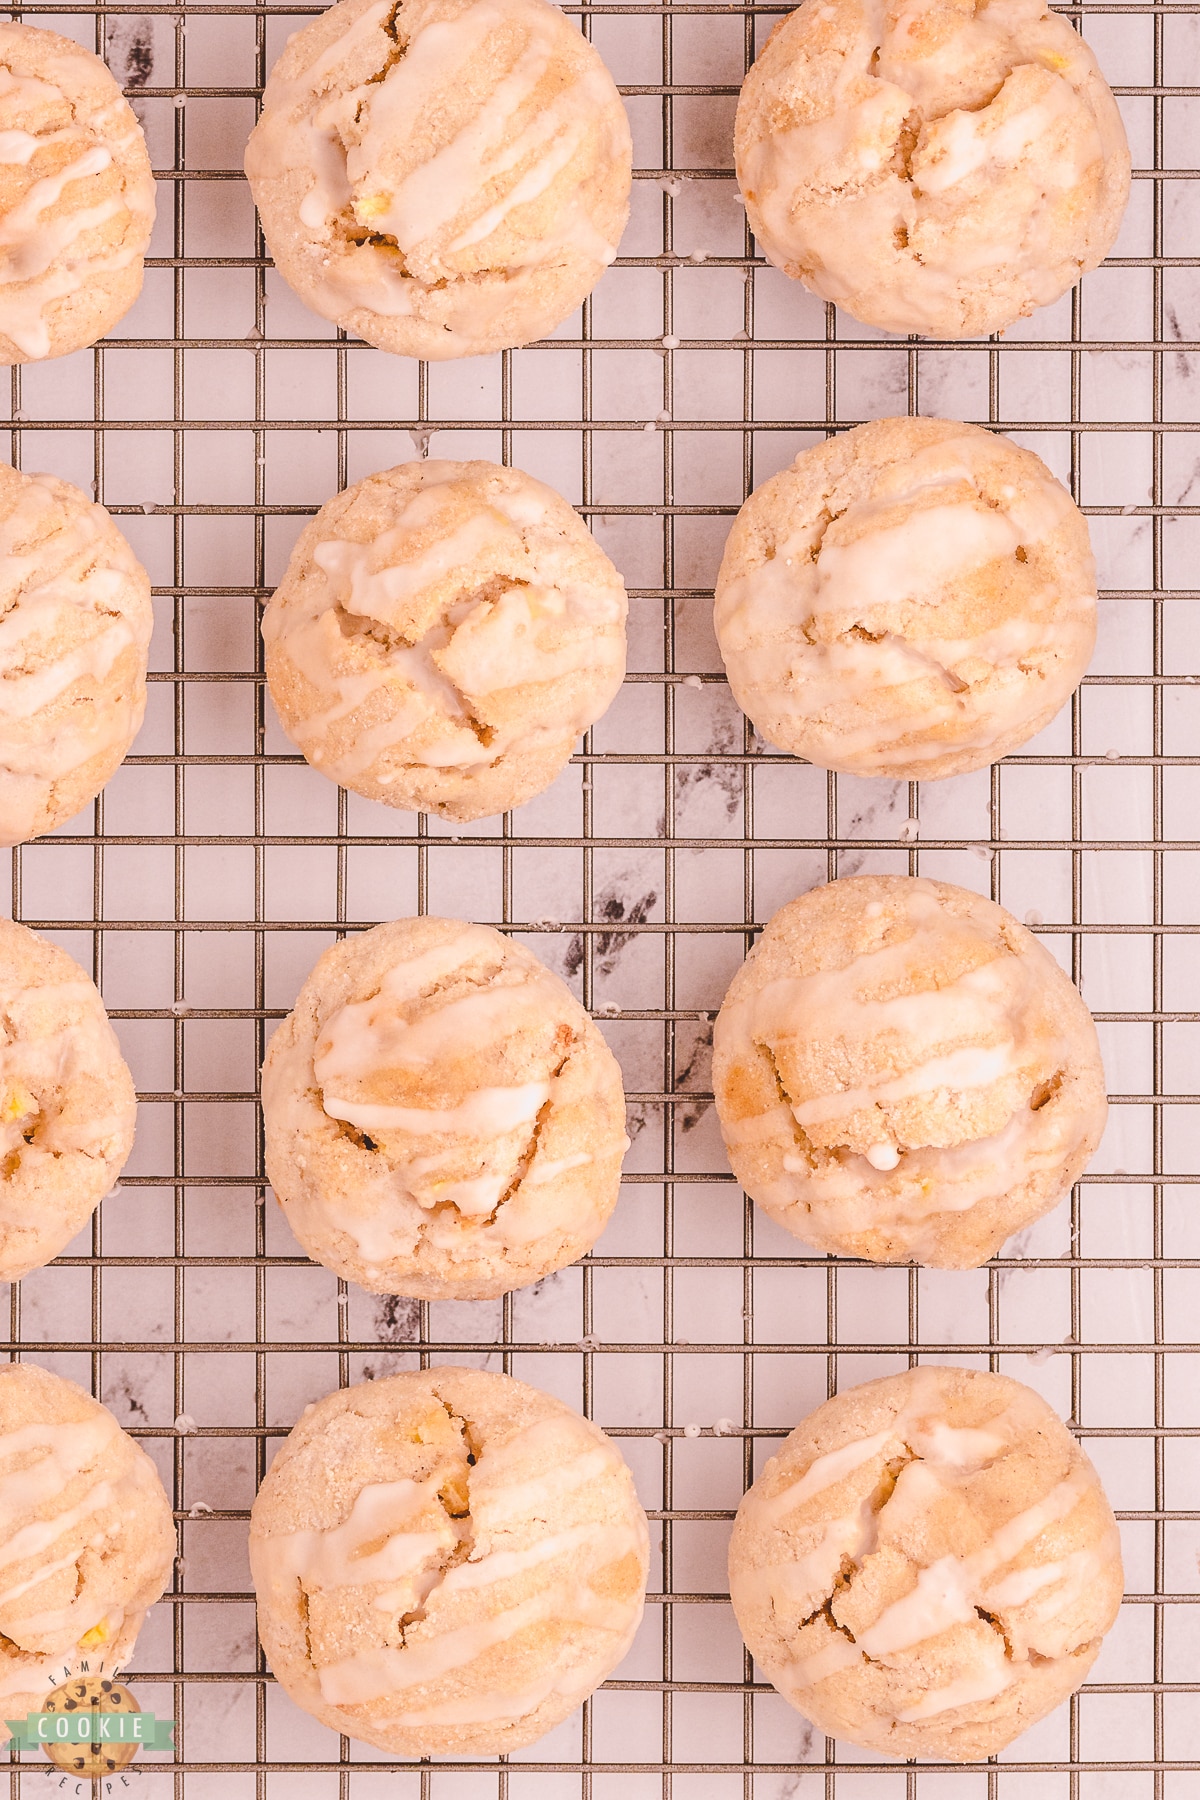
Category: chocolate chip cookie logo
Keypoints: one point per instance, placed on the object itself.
(91, 1727)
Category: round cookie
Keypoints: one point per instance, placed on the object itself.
(443, 634)
(943, 168)
(442, 1117)
(928, 1564)
(86, 1535)
(446, 1562)
(75, 624)
(443, 177)
(914, 598)
(903, 1072)
(76, 197)
(67, 1103)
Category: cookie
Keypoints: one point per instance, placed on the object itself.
(443, 634)
(928, 1565)
(76, 197)
(902, 1072)
(87, 1538)
(75, 624)
(446, 1562)
(443, 177)
(67, 1103)
(944, 168)
(442, 1117)
(914, 598)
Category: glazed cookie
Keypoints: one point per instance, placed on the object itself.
(442, 1117)
(75, 623)
(943, 168)
(86, 1534)
(913, 598)
(928, 1565)
(76, 197)
(444, 177)
(443, 634)
(446, 1562)
(902, 1072)
(67, 1103)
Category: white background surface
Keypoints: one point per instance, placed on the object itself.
(217, 866)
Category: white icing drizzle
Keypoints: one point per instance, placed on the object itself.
(547, 1169)
(378, 1673)
(960, 145)
(364, 1037)
(447, 1153)
(34, 1674)
(971, 1054)
(40, 262)
(21, 146)
(983, 1684)
(839, 1653)
(443, 211)
(37, 1066)
(974, 1066)
(60, 1454)
(486, 1113)
(339, 1557)
(608, 1543)
(32, 1539)
(825, 1472)
(835, 1007)
(386, 1535)
(950, 1591)
(817, 630)
(31, 245)
(66, 1451)
(541, 629)
(52, 583)
(999, 206)
(932, 1181)
(44, 1572)
(502, 1493)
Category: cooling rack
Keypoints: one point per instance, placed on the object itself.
(216, 866)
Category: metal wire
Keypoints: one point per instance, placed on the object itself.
(215, 867)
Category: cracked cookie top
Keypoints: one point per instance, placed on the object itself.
(443, 634)
(75, 624)
(86, 1534)
(903, 1072)
(443, 1119)
(928, 1564)
(933, 166)
(76, 197)
(914, 598)
(443, 177)
(67, 1104)
(446, 1561)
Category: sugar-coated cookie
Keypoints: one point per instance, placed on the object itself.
(903, 1072)
(443, 634)
(86, 1535)
(76, 196)
(914, 598)
(928, 1564)
(446, 1562)
(940, 167)
(443, 177)
(442, 1117)
(67, 1103)
(75, 624)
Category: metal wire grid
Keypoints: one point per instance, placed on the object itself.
(691, 1307)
